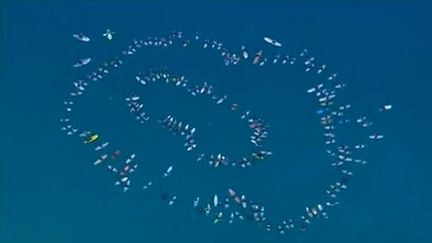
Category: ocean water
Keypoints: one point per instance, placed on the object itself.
(52, 193)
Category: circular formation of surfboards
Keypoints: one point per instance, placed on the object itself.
(231, 206)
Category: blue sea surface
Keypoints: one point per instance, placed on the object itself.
(52, 193)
